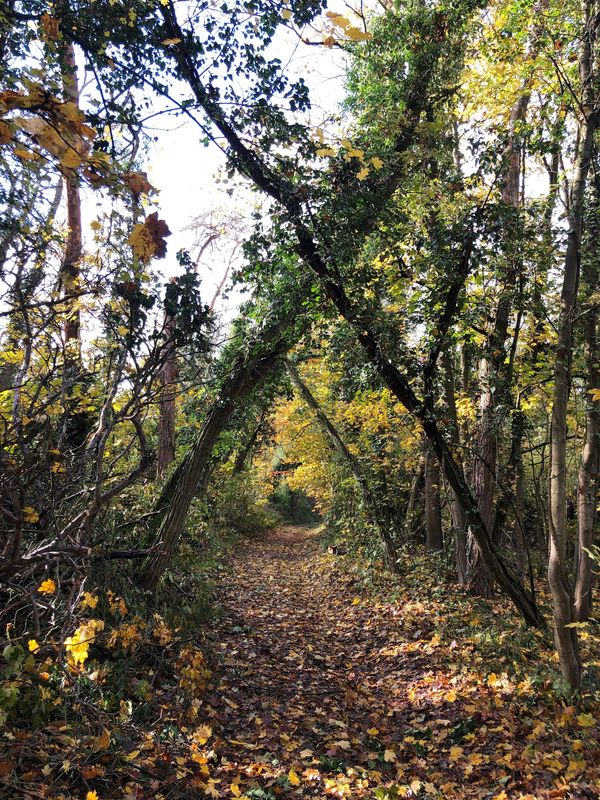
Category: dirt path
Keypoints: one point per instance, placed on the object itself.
(319, 692)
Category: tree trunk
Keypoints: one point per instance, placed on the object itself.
(587, 493)
(459, 521)
(167, 409)
(71, 264)
(558, 572)
(434, 539)
(320, 259)
(193, 472)
(492, 379)
(375, 509)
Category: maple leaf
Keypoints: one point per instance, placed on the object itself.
(147, 239)
(389, 755)
(30, 515)
(325, 151)
(32, 645)
(586, 720)
(92, 796)
(138, 182)
(47, 587)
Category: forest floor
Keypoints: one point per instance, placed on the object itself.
(324, 689)
(329, 678)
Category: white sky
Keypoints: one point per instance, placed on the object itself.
(187, 173)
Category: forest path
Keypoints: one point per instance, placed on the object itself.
(305, 669)
(319, 692)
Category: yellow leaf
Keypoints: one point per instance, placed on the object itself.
(92, 796)
(235, 789)
(71, 159)
(455, 753)
(595, 394)
(47, 587)
(89, 600)
(377, 162)
(362, 174)
(306, 754)
(286, 13)
(356, 601)
(174, 40)
(132, 756)
(586, 720)
(325, 151)
(356, 35)
(33, 645)
(101, 742)
(293, 778)
(30, 515)
(389, 755)
(343, 744)
(450, 696)
(373, 731)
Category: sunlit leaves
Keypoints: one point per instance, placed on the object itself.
(147, 238)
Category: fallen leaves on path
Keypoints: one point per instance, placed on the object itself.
(327, 680)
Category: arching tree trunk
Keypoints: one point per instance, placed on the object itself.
(375, 508)
(192, 474)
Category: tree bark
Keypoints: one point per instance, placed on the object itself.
(558, 572)
(434, 539)
(167, 408)
(459, 521)
(375, 509)
(194, 471)
(70, 272)
(587, 493)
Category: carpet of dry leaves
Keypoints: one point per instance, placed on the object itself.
(329, 680)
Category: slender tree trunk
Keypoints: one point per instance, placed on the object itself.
(459, 521)
(167, 409)
(493, 381)
(243, 455)
(558, 572)
(587, 494)
(413, 520)
(434, 539)
(375, 508)
(71, 263)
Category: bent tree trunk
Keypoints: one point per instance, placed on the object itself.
(375, 509)
(320, 259)
(193, 473)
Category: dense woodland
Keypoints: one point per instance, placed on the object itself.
(342, 545)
